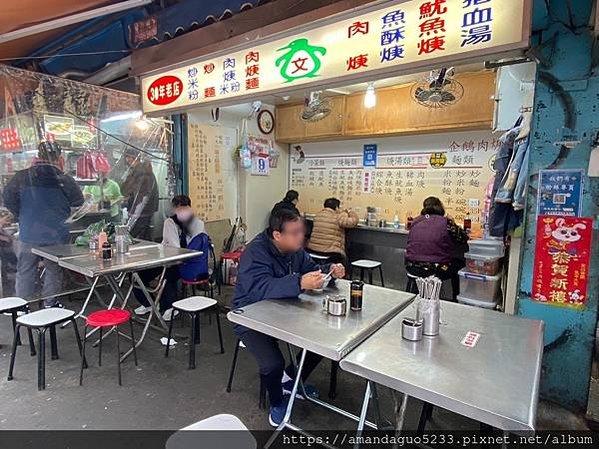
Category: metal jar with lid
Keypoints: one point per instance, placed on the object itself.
(336, 305)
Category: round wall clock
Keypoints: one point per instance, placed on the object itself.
(266, 121)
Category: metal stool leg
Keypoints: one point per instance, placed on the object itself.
(381, 273)
(78, 338)
(333, 380)
(170, 332)
(362, 274)
(53, 343)
(133, 340)
(233, 365)
(31, 342)
(370, 276)
(41, 360)
(14, 325)
(220, 333)
(82, 356)
(192, 342)
(13, 353)
(100, 349)
(118, 354)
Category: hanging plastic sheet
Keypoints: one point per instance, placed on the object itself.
(73, 154)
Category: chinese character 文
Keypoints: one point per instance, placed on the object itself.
(388, 37)
(477, 17)
(300, 64)
(391, 53)
(208, 68)
(427, 46)
(429, 9)
(252, 56)
(357, 62)
(394, 18)
(358, 28)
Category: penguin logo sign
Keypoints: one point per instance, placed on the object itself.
(301, 60)
(438, 160)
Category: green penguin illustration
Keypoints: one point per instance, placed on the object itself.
(314, 52)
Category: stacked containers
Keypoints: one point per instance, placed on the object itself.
(480, 280)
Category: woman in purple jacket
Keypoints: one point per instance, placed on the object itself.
(431, 243)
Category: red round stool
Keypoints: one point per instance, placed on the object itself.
(110, 318)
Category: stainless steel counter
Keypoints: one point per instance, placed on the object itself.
(495, 382)
(302, 323)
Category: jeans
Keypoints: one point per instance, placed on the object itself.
(27, 276)
(271, 362)
(170, 292)
(516, 172)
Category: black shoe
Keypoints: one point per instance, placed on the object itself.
(56, 305)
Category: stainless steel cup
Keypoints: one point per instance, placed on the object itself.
(411, 329)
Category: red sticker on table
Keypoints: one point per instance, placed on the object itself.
(470, 339)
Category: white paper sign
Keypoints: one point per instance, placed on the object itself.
(471, 339)
(260, 166)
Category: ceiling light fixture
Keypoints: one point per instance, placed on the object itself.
(370, 97)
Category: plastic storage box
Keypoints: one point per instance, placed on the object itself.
(488, 265)
(475, 303)
(486, 247)
(479, 287)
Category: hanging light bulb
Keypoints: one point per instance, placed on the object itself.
(370, 97)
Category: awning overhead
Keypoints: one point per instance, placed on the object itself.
(189, 15)
(17, 14)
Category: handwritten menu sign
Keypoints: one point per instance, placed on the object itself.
(457, 172)
(212, 171)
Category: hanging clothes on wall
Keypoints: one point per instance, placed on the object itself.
(502, 216)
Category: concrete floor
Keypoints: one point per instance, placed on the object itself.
(161, 393)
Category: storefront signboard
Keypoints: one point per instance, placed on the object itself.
(377, 42)
(562, 257)
(370, 155)
(560, 192)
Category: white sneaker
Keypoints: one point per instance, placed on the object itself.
(142, 310)
(170, 314)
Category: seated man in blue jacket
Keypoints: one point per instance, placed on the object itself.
(275, 266)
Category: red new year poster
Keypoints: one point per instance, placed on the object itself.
(562, 257)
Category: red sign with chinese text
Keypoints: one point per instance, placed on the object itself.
(10, 139)
(165, 90)
(562, 258)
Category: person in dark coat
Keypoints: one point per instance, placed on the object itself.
(289, 202)
(275, 266)
(140, 190)
(41, 198)
(431, 242)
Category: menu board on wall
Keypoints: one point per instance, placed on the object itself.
(456, 168)
(212, 171)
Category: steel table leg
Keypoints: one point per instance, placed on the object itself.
(92, 290)
(400, 410)
(287, 417)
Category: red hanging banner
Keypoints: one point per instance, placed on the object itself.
(562, 258)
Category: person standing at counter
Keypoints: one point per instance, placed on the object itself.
(275, 266)
(41, 198)
(108, 191)
(328, 233)
(289, 202)
(431, 243)
(140, 190)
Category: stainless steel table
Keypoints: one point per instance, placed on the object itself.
(54, 253)
(495, 382)
(140, 257)
(302, 322)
